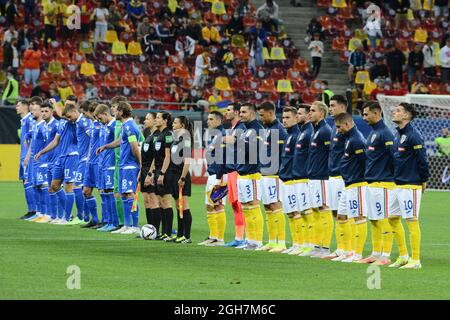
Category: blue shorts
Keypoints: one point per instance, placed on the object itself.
(91, 176)
(65, 168)
(81, 170)
(107, 178)
(50, 174)
(128, 180)
(40, 174)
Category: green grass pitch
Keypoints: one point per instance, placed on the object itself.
(34, 260)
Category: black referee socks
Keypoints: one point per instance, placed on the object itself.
(149, 215)
(180, 228)
(187, 221)
(168, 217)
(156, 218)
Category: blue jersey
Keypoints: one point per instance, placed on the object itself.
(25, 135)
(94, 142)
(319, 152)
(67, 132)
(411, 165)
(83, 132)
(300, 163)
(231, 148)
(287, 155)
(52, 128)
(380, 154)
(107, 157)
(337, 146)
(130, 133)
(38, 139)
(274, 137)
(249, 145)
(352, 165)
(215, 153)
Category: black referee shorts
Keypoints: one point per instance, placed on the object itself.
(173, 182)
(149, 188)
(164, 189)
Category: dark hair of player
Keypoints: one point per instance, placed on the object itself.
(85, 106)
(305, 106)
(118, 99)
(187, 124)
(166, 116)
(93, 105)
(249, 105)
(72, 98)
(409, 108)
(67, 108)
(25, 102)
(47, 104)
(101, 108)
(343, 117)
(236, 106)
(373, 106)
(36, 100)
(339, 99)
(152, 114)
(267, 106)
(217, 115)
(290, 109)
(126, 109)
(325, 82)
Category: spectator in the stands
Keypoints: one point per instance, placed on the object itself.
(12, 11)
(441, 9)
(415, 64)
(173, 97)
(420, 88)
(91, 92)
(49, 12)
(429, 63)
(357, 61)
(444, 58)
(359, 98)
(444, 37)
(11, 92)
(86, 8)
(38, 91)
(29, 7)
(143, 28)
(135, 11)
(202, 67)
(256, 57)
(64, 90)
(397, 90)
(181, 13)
(32, 64)
(152, 43)
(100, 15)
(164, 31)
(395, 62)
(199, 96)
(373, 30)
(401, 12)
(26, 36)
(268, 13)
(443, 143)
(9, 34)
(327, 94)
(65, 10)
(213, 99)
(314, 27)
(11, 57)
(210, 34)
(194, 30)
(380, 89)
(185, 101)
(114, 19)
(379, 70)
(316, 49)
(259, 30)
(225, 57)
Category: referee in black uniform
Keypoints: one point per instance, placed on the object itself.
(179, 176)
(151, 202)
(159, 173)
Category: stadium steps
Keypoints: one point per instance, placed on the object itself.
(296, 21)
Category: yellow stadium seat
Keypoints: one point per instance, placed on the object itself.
(339, 3)
(428, 5)
(55, 67)
(86, 47)
(266, 53)
(277, 53)
(238, 41)
(353, 43)
(420, 35)
(134, 48)
(360, 34)
(218, 7)
(410, 15)
(284, 86)
(111, 36)
(87, 69)
(172, 5)
(368, 87)
(362, 77)
(118, 48)
(221, 83)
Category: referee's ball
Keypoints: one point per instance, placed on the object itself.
(148, 232)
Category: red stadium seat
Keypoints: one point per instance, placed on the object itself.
(277, 74)
(128, 81)
(142, 81)
(267, 85)
(339, 44)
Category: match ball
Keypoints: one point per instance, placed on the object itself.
(148, 232)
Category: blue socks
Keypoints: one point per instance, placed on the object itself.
(127, 204)
(37, 199)
(91, 204)
(135, 215)
(61, 195)
(114, 218)
(44, 201)
(70, 199)
(53, 205)
(86, 210)
(79, 201)
(29, 196)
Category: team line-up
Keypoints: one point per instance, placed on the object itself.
(329, 179)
